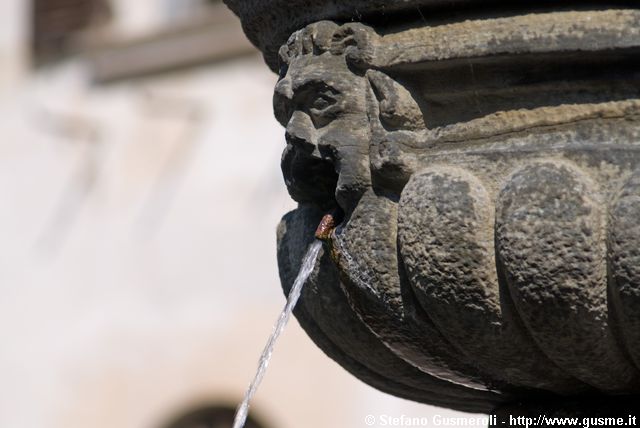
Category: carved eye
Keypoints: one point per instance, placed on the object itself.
(322, 101)
(323, 109)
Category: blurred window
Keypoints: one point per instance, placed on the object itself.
(121, 39)
(55, 23)
(178, 10)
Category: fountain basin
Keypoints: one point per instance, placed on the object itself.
(488, 167)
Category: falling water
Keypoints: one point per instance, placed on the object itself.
(305, 270)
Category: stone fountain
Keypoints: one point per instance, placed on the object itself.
(483, 158)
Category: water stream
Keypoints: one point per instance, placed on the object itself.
(308, 263)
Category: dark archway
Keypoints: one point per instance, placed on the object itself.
(214, 416)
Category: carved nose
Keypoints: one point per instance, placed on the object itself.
(283, 89)
(299, 134)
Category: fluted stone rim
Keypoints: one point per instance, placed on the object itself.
(269, 23)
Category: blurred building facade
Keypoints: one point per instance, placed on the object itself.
(141, 190)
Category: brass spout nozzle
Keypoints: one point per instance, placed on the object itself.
(326, 226)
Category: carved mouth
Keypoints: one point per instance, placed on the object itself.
(309, 177)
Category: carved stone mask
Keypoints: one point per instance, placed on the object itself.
(325, 103)
(326, 130)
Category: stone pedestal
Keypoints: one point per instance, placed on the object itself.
(484, 159)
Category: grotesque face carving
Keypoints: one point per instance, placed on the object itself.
(322, 105)
(326, 105)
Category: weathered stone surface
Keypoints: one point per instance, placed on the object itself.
(624, 263)
(551, 241)
(442, 207)
(268, 24)
(487, 167)
(324, 312)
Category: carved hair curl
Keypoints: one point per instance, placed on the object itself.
(321, 37)
(397, 107)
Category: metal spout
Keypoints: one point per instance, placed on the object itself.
(327, 225)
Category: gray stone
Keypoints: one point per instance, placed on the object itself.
(487, 167)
